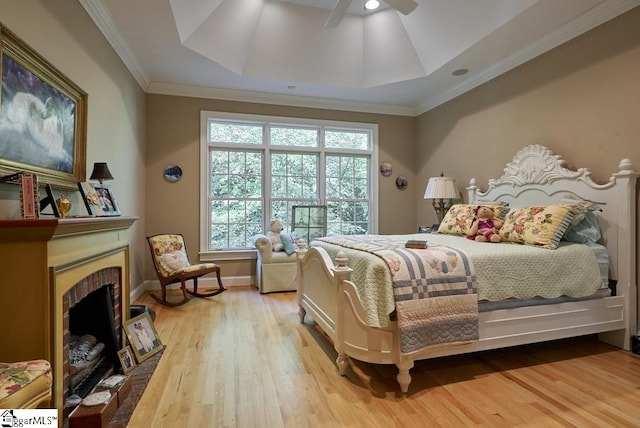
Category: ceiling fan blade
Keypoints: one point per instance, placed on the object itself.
(337, 14)
(403, 6)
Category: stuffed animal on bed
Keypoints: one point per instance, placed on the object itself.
(485, 225)
(274, 234)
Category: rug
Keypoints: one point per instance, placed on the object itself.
(140, 377)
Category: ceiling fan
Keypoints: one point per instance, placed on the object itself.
(403, 6)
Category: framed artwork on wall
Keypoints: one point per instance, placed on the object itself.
(43, 117)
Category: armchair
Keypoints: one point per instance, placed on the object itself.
(275, 270)
(25, 384)
(172, 265)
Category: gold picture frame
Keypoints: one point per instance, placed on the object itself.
(127, 360)
(142, 337)
(43, 117)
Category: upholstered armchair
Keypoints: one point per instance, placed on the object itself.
(275, 270)
(25, 385)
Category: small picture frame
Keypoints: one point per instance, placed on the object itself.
(90, 198)
(127, 360)
(106, 200)
(142, 336)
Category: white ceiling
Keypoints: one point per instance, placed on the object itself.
(279, 52)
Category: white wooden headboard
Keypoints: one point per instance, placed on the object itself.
(536, 176)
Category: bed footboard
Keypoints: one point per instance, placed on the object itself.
(326, 294)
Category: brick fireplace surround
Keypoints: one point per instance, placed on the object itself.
(44, 264)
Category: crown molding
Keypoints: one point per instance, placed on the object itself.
(102, 18)
(588, 21)
(591, 19)
(276, 99)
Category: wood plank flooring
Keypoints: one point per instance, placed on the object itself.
(242, 359)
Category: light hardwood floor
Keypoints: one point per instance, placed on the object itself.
(242, 359)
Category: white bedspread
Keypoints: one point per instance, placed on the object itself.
(502, 270)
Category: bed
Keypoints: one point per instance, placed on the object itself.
(327, 293)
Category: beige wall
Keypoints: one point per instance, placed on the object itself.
(173, 137)
(63, 33)
(582, 100)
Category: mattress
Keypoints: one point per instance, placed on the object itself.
(504, 271)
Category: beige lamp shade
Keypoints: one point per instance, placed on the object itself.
(441, 188)
(443, 191)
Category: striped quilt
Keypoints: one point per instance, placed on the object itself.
(435, 289)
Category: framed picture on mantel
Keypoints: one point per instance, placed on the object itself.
(99, 199)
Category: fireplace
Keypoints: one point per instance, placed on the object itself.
(49, 265)
(92, 307)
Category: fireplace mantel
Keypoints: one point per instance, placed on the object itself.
(40, 260)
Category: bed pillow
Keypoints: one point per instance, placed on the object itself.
(542, 225)
(287, 243)
(586, 231)
(457, 220)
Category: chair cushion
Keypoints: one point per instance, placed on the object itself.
(283, 257)
(23, 381)
(198, 267)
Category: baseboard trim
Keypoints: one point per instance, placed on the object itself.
(228, 281)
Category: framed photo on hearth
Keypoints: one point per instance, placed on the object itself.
(127, 360)
(142, 337)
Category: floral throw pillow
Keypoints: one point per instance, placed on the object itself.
(457, 220)
(542, 225)
(173, 261)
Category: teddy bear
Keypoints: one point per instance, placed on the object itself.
(274, 234)
(485, 225)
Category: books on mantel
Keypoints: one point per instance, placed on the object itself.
(416, 244)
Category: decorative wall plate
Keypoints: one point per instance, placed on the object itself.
(401, 182)
(173, 173)
(386, 169)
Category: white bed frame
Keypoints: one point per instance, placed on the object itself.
(535, 176)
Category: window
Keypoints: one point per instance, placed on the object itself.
(255, 168)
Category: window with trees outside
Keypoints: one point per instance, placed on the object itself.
(255, 168)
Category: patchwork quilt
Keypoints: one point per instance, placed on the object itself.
(434, 289)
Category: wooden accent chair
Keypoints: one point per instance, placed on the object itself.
(172, 265)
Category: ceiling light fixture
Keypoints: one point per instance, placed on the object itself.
(371, 4)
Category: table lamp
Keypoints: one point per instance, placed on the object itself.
(101, 172)
(443, 191)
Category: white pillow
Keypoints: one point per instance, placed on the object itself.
(174, 261)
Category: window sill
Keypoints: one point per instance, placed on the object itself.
(228, 255)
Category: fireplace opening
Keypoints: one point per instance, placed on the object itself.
(93, 346)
